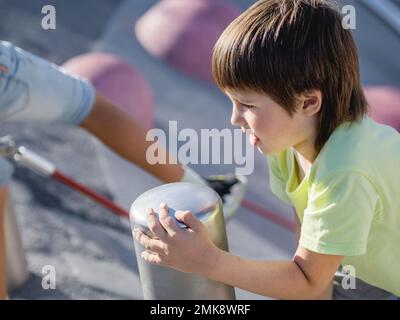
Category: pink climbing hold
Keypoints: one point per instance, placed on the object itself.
(116, 80)
(183, 33)
(384, 105)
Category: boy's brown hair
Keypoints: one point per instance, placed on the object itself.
(286, 47)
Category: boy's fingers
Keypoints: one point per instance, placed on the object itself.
(147, 242)
(154, 225)
(189, 219)
(167, 221)
(151, 257)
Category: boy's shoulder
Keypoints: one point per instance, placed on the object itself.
(358, 147)
(365, 147)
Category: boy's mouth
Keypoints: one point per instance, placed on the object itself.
(254, 139)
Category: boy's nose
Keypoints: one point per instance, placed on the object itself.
(236, 117)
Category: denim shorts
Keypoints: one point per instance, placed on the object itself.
(33, 90)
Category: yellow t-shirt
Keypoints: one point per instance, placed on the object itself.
(349, 201)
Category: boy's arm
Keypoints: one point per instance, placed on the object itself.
(297, 227)
(327, 294)
(127, 137)
(3, 279)
(305, 277)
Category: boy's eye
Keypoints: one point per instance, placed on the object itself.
(247, 106)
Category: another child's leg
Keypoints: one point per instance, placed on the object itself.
(16, 264)
(13, 266)
(126, 136)
(37, 91)
(3, 279)
(6, 171)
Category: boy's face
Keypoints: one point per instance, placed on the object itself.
(272, 128)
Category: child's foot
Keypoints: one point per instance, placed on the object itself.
(231, 189)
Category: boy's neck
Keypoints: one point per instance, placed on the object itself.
(306, 151)
(305, 156)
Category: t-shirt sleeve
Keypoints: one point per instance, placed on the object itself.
(339, 214)
(277, 180)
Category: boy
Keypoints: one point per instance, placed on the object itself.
(292, 74)
(34, 90)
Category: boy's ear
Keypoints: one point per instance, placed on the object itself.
(311, 102)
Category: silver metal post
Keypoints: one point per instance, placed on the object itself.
(161, 283)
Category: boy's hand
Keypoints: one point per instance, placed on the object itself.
(187, 250)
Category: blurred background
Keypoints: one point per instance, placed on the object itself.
(91, 249)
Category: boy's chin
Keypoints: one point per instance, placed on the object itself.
(260, 150)
(266, 151)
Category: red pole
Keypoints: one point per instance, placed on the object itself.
(273, 217)
(46, 168)
(91, 194)
(253, 207)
